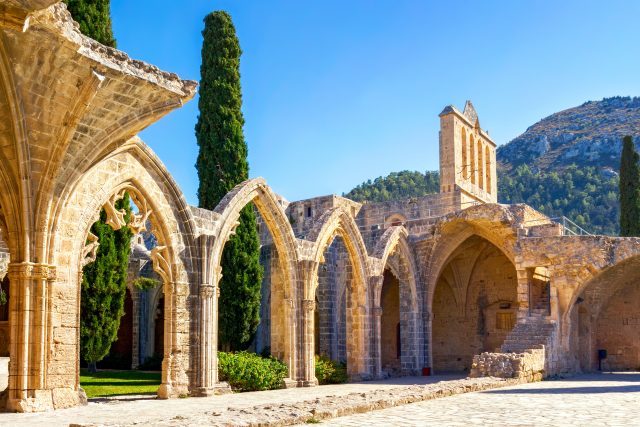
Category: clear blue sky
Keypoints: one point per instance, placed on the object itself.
(338, 92)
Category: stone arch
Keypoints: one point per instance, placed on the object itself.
(396, 255)
(395, 219)
(140, 173)
(283, 307)
(465, 155)
(17, 218)
(472, 149)
(602, 315)
(487, 169)
(395, 239)
(480, 164)
(339, 222)
(477, 290)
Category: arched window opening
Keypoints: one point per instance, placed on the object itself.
(465, 164)
(487, 169)
(473, 167)
(480, 166)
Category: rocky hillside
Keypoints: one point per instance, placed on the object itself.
(564, 165)
(590, 134)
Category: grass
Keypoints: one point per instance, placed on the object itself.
(118, 383)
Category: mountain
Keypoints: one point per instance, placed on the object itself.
(590, 134)
(564, 165)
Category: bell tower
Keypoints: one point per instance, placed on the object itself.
(467, 157)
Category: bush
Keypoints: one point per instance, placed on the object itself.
(249, 372)
(329, 371)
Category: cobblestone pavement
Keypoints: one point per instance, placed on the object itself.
(586, 400)
(606, 399)
(151, 411)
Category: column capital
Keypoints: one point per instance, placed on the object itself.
(308, 304)
(29, 270)
(207, 290)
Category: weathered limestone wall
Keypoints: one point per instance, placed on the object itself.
(474, 305)
(527, 366)
(467, 157)
(617, 330)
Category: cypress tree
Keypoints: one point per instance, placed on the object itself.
(629, 189)
(94, 17)
(103, 288)
(222, 164)
(104, 284)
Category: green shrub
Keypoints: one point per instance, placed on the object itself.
(329, 371)
(249, 372)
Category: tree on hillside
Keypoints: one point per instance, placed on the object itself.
(222, 164)
(94, 17)
(104, 284)
(629, 189)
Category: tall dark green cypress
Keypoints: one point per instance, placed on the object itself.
(104, 281)
(222, 164)
(94, 17)
(629, 189)
(104, 285)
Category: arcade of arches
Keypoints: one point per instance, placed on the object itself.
(390, 288)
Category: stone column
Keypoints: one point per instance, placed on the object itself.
(375, 284)
(308, 308)
(377, 341)
(208, 339)
(309, 275)
(30, 341)
(135, 322)
(523, 286)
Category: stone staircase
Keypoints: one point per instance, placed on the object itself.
(534, 333)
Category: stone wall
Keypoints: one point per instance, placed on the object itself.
(528, 366)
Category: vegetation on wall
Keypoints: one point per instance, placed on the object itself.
(222, 164)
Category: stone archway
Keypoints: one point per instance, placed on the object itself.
(283, 298)
(604, 316)
(162, 206)
(333, 223)
(474, 304)
(397, 269)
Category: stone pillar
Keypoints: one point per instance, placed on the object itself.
(135, 333)
(174, 380)
(309, 275)
(308, 308)
(523, 293)
(377, 342)
(206, 377)
(208, 339)
(30, 342)
(375, 284)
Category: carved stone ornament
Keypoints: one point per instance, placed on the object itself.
(90, 250)
(160, 258)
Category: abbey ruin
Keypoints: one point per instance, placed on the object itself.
(391, 288)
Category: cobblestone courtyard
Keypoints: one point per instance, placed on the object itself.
(607, 399)
(587, 400)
